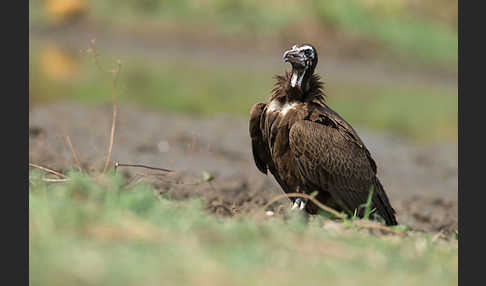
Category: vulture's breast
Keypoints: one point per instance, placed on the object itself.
(282, 108)
(280, 117)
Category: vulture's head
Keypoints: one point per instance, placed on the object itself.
(303, 59)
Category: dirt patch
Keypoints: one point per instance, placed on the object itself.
(420, 180)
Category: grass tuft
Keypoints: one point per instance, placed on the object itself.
(92, 230)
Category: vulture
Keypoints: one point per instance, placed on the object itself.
(309, 147)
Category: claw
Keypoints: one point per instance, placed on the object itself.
(297, 203)
(302, 205)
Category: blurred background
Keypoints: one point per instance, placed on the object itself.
(388, 65)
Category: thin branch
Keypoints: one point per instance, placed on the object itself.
(115, 73)
(55, 180)
(75, 155)
(95, 53)
(305, 196)
(118, 164)
(47, 170)
(365, 224)
(152, 174)
(115, 111)
(112, 137)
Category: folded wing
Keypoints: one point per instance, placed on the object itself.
(331, 158)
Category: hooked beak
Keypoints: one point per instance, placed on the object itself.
(295, 58)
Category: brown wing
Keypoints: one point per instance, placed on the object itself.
(259, 148)
(330, 157)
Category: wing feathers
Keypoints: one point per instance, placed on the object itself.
(327, 158)
(259, 148)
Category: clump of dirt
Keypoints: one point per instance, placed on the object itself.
(421, 181)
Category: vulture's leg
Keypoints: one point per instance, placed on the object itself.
(300, 204)
(297, 203)
(303, 202)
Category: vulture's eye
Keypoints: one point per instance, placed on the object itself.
(308, 53)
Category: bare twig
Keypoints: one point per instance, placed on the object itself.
(75, 155)
(366, 224)
(95, 54)
(47, 170)
(118, 164)
(115, 73)
(305, 196)
(359, 223)
(55, 180)
(112, 137)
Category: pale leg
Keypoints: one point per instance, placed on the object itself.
(299, 203)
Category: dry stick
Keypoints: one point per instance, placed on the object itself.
(334, 212)
(305, 196)
(364, 224)
(115, 111)
(115, 73)
(54, 180)
(96, 55)
(75, 155)
(112, 137)
(151, 174)
(47, 170)
(118, 164)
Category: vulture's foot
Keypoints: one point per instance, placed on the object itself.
(300, 204)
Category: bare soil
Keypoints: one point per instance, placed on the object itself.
(421, 180)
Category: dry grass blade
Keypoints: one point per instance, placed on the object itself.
(48, 170)
(115, 73)
(75, 155)
(367, 224)
(112, 137)
(55, 180)
(438, 235)
(118, 164)
(95, 54)
(305, 196)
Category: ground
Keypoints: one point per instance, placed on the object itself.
(420, 180)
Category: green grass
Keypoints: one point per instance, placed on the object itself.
(423, 113)
(403, 33)
(92, 231)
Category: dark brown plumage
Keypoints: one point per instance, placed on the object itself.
(308, 147)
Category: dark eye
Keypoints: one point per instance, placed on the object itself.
(308, 53)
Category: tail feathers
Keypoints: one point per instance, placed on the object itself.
(382, 204)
